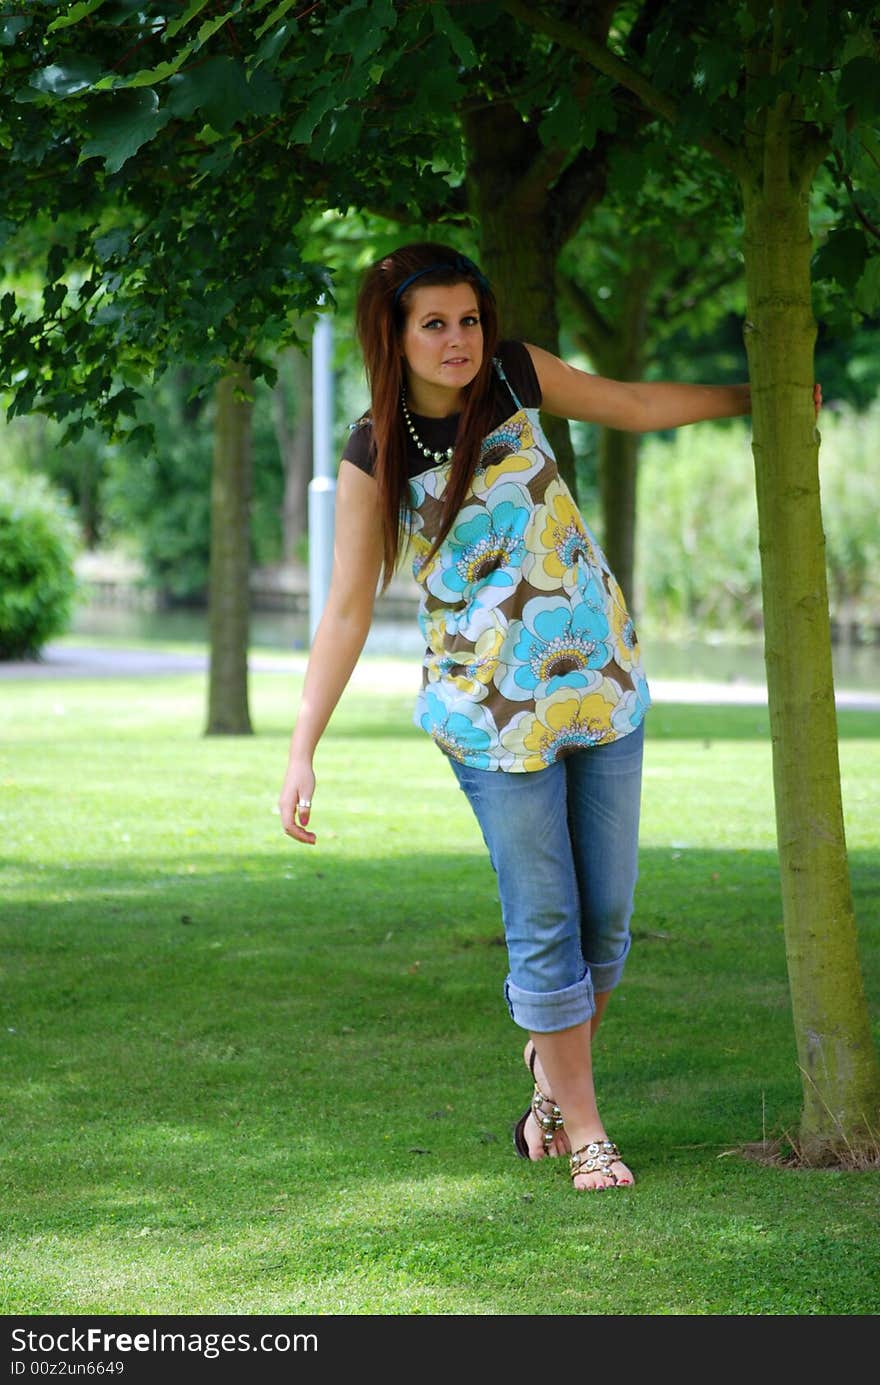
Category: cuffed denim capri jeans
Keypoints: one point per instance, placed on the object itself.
(563, 842)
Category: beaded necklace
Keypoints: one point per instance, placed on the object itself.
(442, 456)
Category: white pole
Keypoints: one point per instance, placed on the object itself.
(322, 487)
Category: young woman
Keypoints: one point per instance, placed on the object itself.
(532, 679)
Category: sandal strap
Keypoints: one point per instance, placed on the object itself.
(532, 1059)
(549, 1122)
(595, 1157)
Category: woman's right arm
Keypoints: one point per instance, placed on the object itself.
(339, 638)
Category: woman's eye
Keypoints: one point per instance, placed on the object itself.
(433, 323)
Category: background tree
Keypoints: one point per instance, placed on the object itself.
(657, 254)
(231, 480)
(292, 417)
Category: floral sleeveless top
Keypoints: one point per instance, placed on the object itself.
(531, 653)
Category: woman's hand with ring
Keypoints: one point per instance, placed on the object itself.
(295, 802)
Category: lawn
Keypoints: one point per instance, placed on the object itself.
(240, 1076)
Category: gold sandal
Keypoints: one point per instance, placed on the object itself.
(548, 1121)
(597, 1157)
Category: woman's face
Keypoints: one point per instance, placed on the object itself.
(442, 344)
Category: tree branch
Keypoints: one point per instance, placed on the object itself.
(549, 162)
(595, 329)
(579, 190)
(671, 310)
(851, 192)
(600, 57)
(454, 208)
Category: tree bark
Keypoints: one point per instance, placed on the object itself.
(295, 446)
(622, 357)
(618, 481)
(837, 1057)
(229, 594)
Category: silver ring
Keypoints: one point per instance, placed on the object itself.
(304, 803)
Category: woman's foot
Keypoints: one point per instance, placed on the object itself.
(567, 1070)
(529, 1135)
(598, 1165)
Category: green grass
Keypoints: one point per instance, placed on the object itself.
(242, 1076)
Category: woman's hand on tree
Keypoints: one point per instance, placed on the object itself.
(817, 398)
(295, 802)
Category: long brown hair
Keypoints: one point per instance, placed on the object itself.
(381, 312)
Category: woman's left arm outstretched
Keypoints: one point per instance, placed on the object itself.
(637, 407)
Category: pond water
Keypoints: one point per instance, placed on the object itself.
(856, 667)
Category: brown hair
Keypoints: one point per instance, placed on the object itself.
(380, 318)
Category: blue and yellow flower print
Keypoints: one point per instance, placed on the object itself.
(531, 653)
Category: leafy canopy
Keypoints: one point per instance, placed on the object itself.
(161, 162)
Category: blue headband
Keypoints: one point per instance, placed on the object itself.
(461, 264)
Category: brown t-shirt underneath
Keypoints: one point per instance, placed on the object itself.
(439, 433)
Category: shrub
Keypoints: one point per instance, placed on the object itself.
(37, 582)
(697, 544)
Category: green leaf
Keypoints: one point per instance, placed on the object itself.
(842, 257)
(141, 436)
(56, 261)
(124, 401)
(208, 135)
(108, 315)
(360, 29)
(867, 291)
(264, 93)
(278, 13)
(115, 242)
(860, 87)
(74, 15)
(210, 27)
(458, 40)
(123, 122)
(72, 72)
(322, 101)
(720, 65)
(601, 114)
(557, 126)
(11, 28)
(189, 13)
(273, 45)
(147, 76)
(53, 297)
(217, 88)
(217, 161)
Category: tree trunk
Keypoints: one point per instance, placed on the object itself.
(618, 477)
(622, 357)
(90, 516)
(519, 245)
(615, 344)
(838, 1061)
(295, 446)
(229, 595)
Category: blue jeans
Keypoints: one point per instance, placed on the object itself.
(563, 842)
